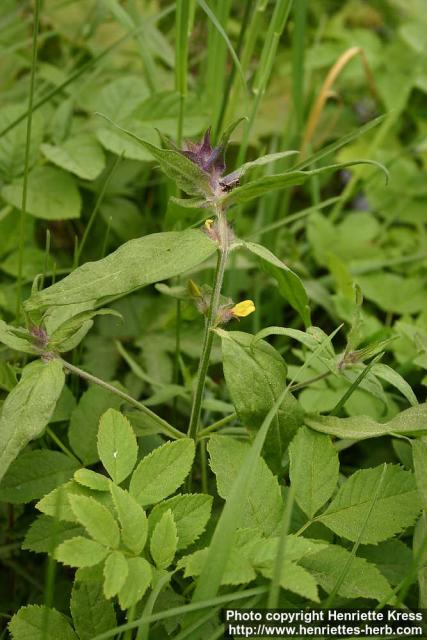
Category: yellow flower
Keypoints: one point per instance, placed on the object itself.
(208, 223)
(243, 309)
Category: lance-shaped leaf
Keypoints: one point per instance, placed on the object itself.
(189, 177)
(28, 408)
(411, 422)
(135, 264)
(266, 184)
(289, 284)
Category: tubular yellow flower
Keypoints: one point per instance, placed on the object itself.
(243, 309)
(208, 223)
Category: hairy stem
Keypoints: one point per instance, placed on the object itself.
(223, 251)
(164, 426)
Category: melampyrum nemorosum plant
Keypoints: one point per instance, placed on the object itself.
(59, 316)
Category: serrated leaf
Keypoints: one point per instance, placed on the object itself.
(52, 194)
(92, 480)
(81, 155)
(256, 375)
(393, 558)
(35, 473)
(296, 579)
(411, 422)
(92, 613)
(84, 423)
(289, 284)
(314, 469)
(115, 573)
(135, 264)
(46, 533)
(362, 579)
(190, 513)
(264, 505)
(80, 552)
(397, 505)
(57, 504)
(40, 623)
(117, 445)
(137, 582)
(164, 541)
(28, 408)
(96, 519)
(133, 521)
(162, 471)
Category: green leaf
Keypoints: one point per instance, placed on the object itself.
(255, 374)
(132, 518)
(46, 533)
(296, 579)
(267, 184)
(187, 175)
(117, 445)
(96, 519)
(135, 264)
(419, 453)
(190, 512)
(397, 505)
(57, 504)
(84, 421)
(314, 469)
(9, 336)
(391, 376)
(261, 161)
(52, 194)
(411, 422)
(92, 480)
(392, 558)
(80, 552)
(394, 293)
(35, 473)
(12, 144)
(137, 582)
(263, 506)
(28, 408)
(289, 284)
(164, 541)
(92, 613)
(40, 623)
(119, 142)
(68, 334)
(362, 580)
(162, 471)
(81, 155)
(115, 573)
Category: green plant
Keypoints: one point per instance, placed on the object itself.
(114, 399)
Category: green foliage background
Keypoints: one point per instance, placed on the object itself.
(304, 481)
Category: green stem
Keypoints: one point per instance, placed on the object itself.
(209, 325)
(27, 158)
(218, 424)
(61, 445)
(130, 618)
(96, 209)
(144, 629)
(164, 426)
